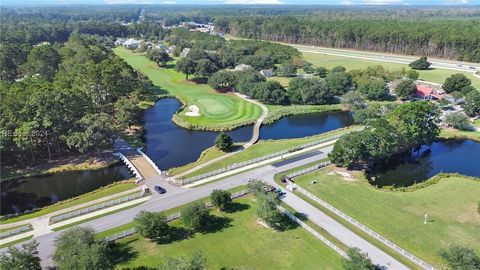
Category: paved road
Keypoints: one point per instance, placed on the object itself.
(385, 57)
(176, 196)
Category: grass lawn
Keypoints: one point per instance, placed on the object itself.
(241, 242)
(330, 61)
(218, 111)
(96, 194)
(452, 133)
(261, 148)
(452, 205)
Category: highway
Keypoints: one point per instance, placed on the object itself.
(393, 58)
(177, 196)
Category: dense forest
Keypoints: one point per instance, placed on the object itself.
(71, 97)
(452, 39)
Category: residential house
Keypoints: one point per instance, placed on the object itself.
(185, 52)
(267, 72)
(132, 43)
(242, 67)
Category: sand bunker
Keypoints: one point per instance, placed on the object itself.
(194, 111)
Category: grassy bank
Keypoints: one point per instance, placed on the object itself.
(452, 133)
(231, 245)
(261, 148)
(433, 75)
(451, 204)
(84, 198)
(217, 111)
(276, 112)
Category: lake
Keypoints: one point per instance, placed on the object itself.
(451, 156)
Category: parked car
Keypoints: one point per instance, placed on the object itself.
(160, 190)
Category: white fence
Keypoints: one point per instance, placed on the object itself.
(95, 207)
(314, 232)
(309, 169)
(365, 229)
(255, 160)
(120, 235)
(15, 231)
(139, 150)
(130, 166)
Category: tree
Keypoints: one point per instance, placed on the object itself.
(472, 103)
(221, 198)
(159, 56)
(458, 120)
(25, 257)
(406, 89)
(357, 260)
(205, 67)
(373, 89)
(77, 248)
(339, 82)
(196, 262)
(287, 70)
(222, 80)
(456, 82)
(415, 122)
(97, 132)
(420, 63)
(461, 258)
(186, 65)
(127, 112)
(196, 216)
(256, 187)
(153, 226)
(223, 141)
(321, 72)
(42, 60)
(412, 74)
(338, 69)
(354, 101)
(268, 211)
(309, 69)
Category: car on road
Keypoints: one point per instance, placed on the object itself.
(160, 190)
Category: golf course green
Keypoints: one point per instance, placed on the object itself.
(217, 111)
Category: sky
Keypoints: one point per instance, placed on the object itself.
(276, 2)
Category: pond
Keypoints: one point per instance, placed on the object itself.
(35, 192)
(169, 145)
(451, 156)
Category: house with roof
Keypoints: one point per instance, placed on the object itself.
(184, 52)
(428, 93)
(132, 43)
(268, 72)
(242, 67)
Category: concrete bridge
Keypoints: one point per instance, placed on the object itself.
(138, 162)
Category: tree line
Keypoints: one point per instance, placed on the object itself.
(452, 39)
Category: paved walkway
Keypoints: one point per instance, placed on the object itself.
(253, 139)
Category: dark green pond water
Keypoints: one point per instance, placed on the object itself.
(452, 156)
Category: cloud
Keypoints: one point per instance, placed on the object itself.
(255, 2)
(346, 2)
(126, 2)
(382, 2)
(456, 2)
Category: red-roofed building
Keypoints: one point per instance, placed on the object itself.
(428, 93)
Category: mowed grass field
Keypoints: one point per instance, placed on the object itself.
(330, 61)
(217, 110)
(240, 244)
(452, 207)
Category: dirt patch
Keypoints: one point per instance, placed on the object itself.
(344, 173)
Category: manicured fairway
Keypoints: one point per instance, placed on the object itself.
(261, 148)
(218, 111)
(452, 206)
(241, 244)
(330, 61)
